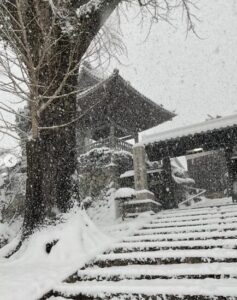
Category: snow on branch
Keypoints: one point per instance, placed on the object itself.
(89, 7)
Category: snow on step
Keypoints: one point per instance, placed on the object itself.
(177, 212)
(133, 271)
(181, 252)
(183, 236)
(226, 243)
(181, 287)
(191, 211)
(206, 221)
(215, 253)
(209, 227)
(163, 219)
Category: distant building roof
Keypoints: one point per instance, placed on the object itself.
(213, 124)
(220, 133)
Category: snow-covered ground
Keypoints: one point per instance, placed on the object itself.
(31, 272)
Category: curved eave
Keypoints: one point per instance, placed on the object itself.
(127, 85)
(141, 112)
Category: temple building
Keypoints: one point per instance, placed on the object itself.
(113, 112)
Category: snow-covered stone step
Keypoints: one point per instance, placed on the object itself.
(183, 236)
(181, 229)
(128, 289)
(159, 271)
(164, 219)
(166, 256)
(193, 212)
(199, 244)
(212, 205)
(206, 221)
(177, 212)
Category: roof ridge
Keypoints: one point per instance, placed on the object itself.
(94, 87)
(133, 89)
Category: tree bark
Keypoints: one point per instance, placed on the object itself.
(51, 161)
(34, 208)
(52, 155)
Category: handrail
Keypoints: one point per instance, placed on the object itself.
(187, 201)
(110, 142)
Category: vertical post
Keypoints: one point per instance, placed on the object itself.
(136, 138)
(80, 141)
(234, 189)
(140, 173)
(228, 155)
(87, 138)
(168, 183)
(234, 174)
(112, 136)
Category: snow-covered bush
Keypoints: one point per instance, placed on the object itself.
(12, 192)
(100, 170)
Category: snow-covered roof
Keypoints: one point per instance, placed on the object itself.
(115, 99)
(209, 125)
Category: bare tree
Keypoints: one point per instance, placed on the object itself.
(44, 43)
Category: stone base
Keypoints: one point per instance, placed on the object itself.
(135, 207)
(144, 194)
(134, 204)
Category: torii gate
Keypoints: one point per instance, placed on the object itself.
(220, 133)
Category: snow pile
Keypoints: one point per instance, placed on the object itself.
(121, 229)
(102, 211)
(6, 234)
(125, 193)
(32, 271)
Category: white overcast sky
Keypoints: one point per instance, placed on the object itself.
(192, 76)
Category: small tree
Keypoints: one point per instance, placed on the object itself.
(47, 40)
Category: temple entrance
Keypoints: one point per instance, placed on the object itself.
(210, 148)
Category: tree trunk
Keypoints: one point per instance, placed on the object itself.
(51, 159)
(34, 208)
(52, 156)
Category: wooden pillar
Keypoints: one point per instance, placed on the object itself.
(112, 136)
(234, 174)
(229, 164)
(80, 141)
(168, 184)
(136, 137)
(87, 138)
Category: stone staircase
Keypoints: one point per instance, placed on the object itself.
(178, 254)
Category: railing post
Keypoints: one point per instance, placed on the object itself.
(112, 136)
